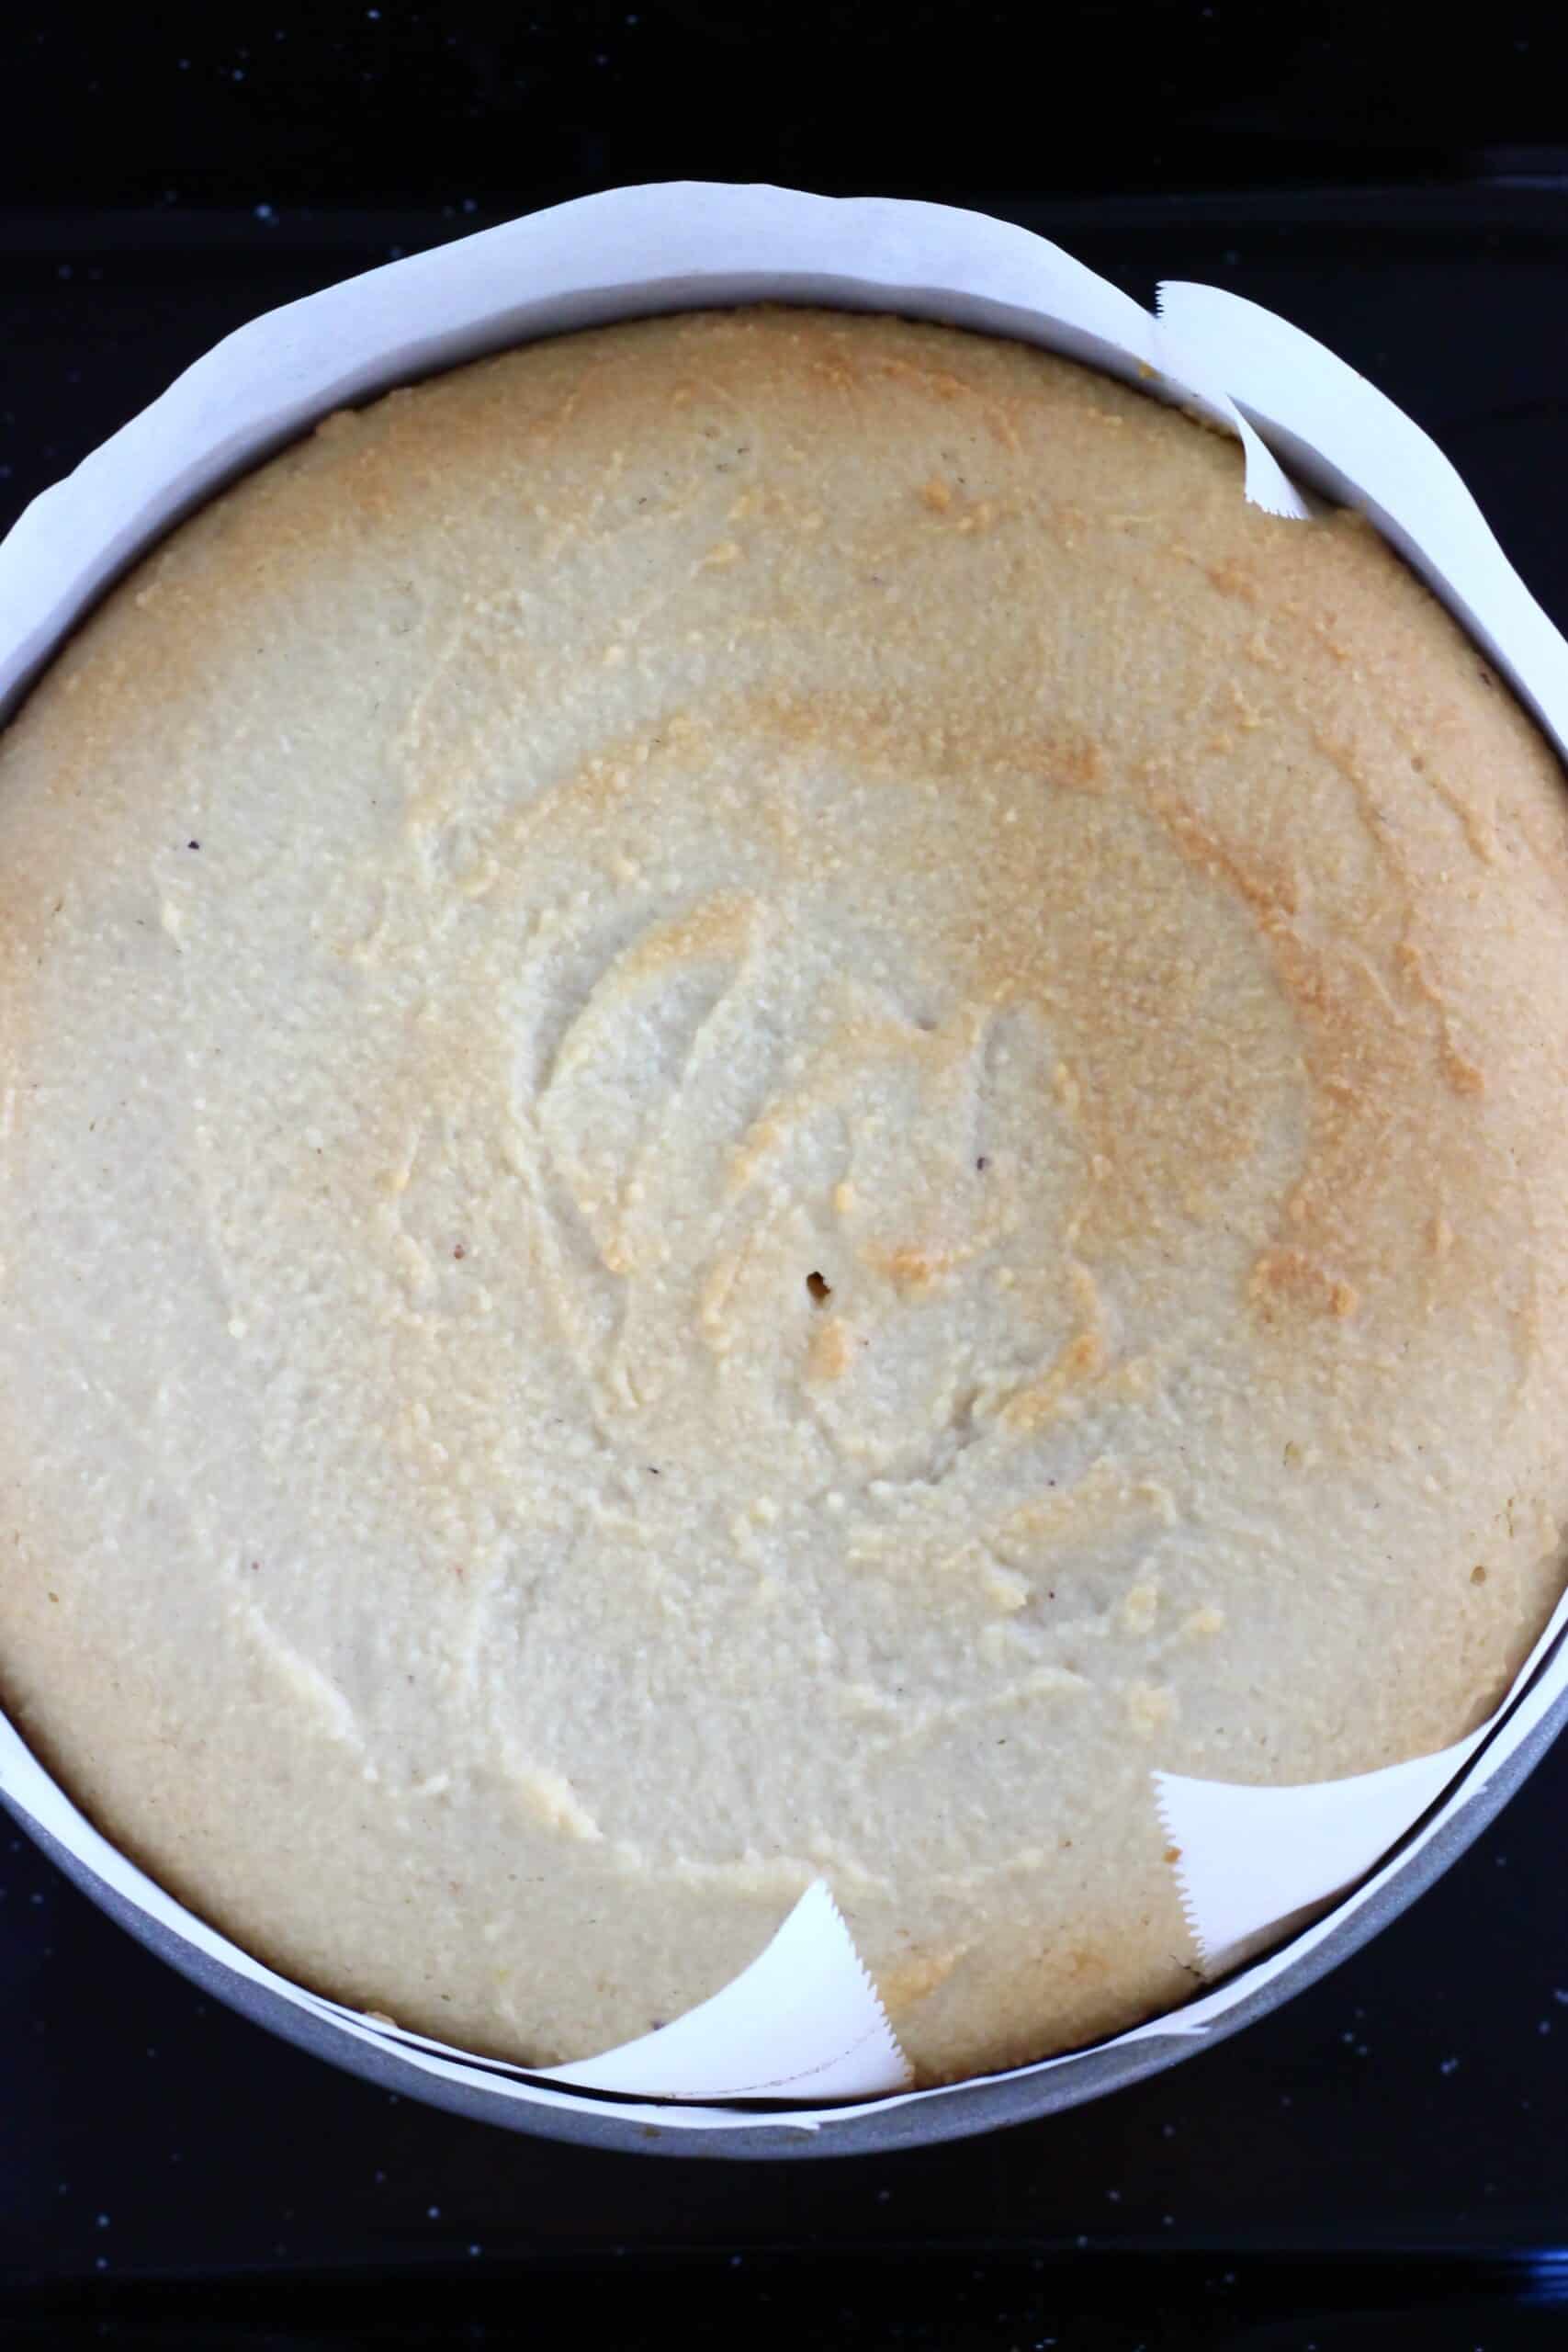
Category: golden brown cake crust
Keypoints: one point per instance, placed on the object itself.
(767, 1105)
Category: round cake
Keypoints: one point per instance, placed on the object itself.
(769, 1107)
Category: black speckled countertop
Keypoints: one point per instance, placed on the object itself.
(163, 2165)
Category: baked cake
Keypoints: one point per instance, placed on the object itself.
(769, 1105)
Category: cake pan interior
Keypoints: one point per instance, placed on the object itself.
(974, 2107)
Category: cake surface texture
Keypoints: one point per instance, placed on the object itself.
(767, 1105)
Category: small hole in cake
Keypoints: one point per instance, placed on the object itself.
(1478, 1575)
(821, 1291)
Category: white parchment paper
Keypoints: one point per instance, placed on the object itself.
(803, 2021)
(1246, 1856)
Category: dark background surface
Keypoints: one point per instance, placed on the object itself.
(1406, 199)
(290, 104)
